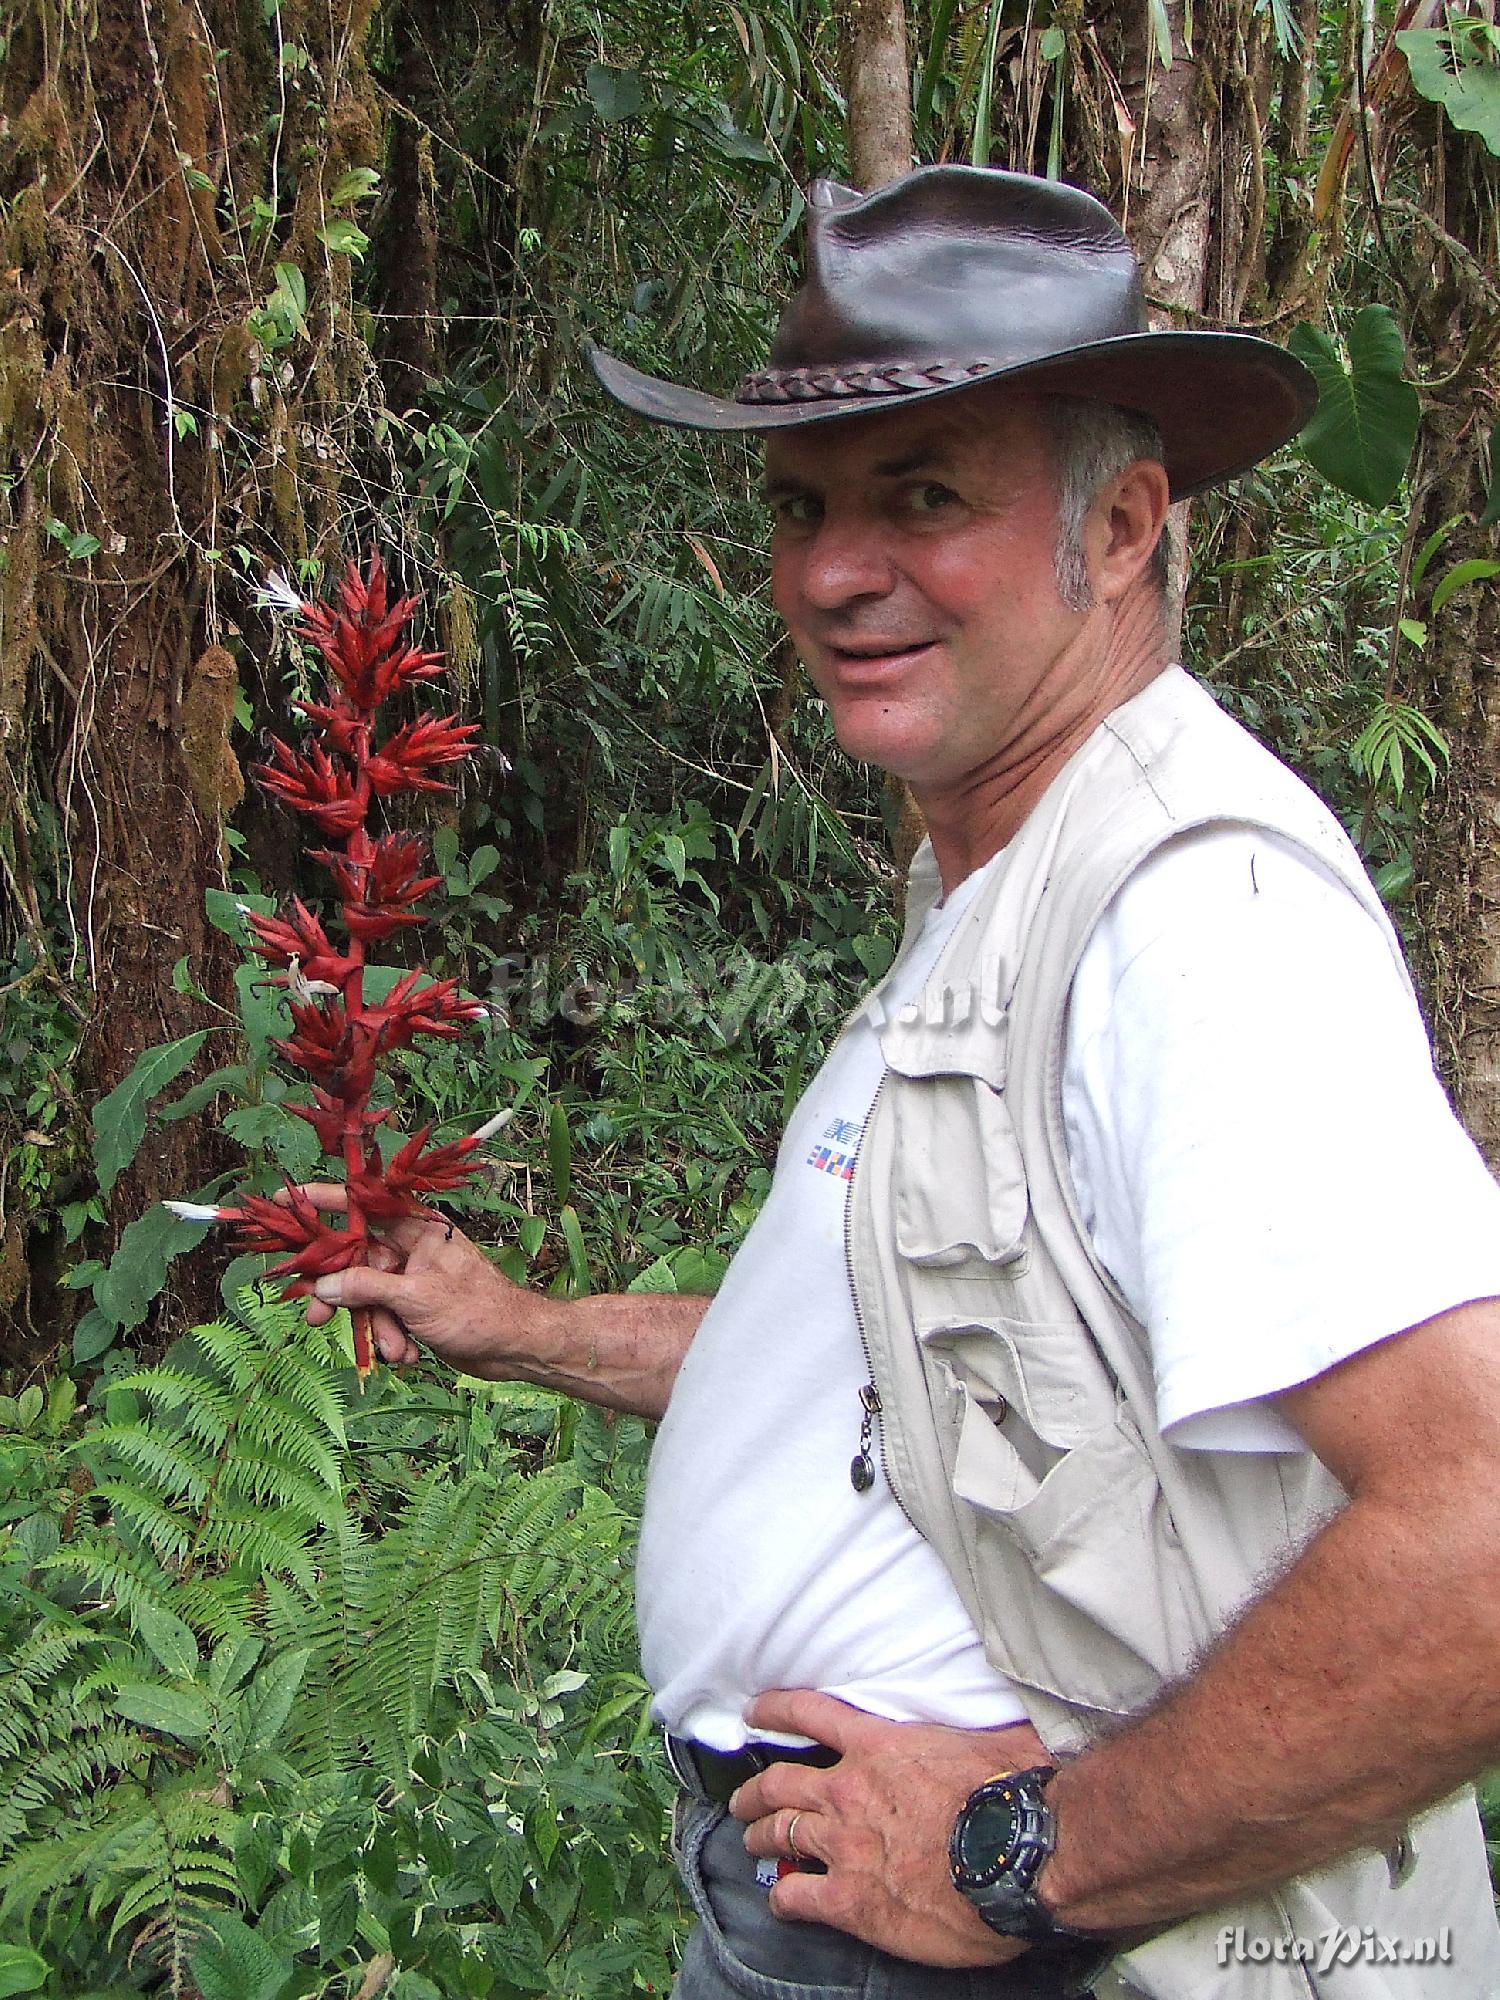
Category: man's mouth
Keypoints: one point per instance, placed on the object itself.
(875, 656)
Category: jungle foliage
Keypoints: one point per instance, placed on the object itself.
(306, 1692)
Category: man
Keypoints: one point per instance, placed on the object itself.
(1070, 1546)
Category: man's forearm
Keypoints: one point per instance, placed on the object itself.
(622, 1350)
(1358, 1690)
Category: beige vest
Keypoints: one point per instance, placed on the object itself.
(1018, 1401)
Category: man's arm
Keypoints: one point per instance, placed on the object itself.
(1357, 1690)
(433, 1288)
(1360, 1688)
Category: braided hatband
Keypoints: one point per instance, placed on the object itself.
(812, 385)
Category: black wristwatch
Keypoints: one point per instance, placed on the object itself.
(1002, 1836)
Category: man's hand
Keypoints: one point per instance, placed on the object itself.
(879, 1820)
(429, 1286)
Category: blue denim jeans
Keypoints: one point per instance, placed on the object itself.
(739, 1951)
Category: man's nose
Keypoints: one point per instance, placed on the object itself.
(845, 560)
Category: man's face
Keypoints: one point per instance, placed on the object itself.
(912, 560)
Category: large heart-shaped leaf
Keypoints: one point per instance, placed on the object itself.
(1456, 67)
(1365, 425)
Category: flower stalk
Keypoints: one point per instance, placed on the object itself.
(339, 1040)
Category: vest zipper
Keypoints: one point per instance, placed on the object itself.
(862, 1465)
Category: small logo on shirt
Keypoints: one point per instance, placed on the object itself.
(834, 1152)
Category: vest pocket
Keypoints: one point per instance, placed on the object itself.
(960, 1188)
(1097, 1611)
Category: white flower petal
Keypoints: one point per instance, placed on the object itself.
(192, 1211)
(278, 594)
(496, 1124)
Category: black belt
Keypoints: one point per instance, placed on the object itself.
(718, 1774)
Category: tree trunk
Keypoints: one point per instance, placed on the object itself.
(1457, 346)
(152, 432)
(878, 87)
(879, 91)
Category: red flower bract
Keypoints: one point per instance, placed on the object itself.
(361, 641)
(301, 937)
(338, 1037)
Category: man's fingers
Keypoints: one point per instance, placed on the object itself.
(332, 1197)
(322, 1194)
(804, 1712)
(797, 1833)
(364, 1285)
(792, 1786)
(407, 1231)
(392, 1340)
(804, 1898)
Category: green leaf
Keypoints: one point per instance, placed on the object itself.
(614, 93)
(482, 864)
(1362, 432)
(979, 148)
(234, 1962)
(1161, 32)
(656, 1277)
(271, 1693)
(344, 238)
(1453, 67)
(262, 1011)
(94, 1333)
(560, 1150)
(21, 1971)
(138, 1269)
(675, 855)
(1477, 569)
(198, 1099)
(531, 1232)
(445, 849)
(1413, 630)
(1430, 548)
(175, 1712)
(1052, 44)
(619, 851)
(172, 1642)
(698, 1270)
(578, 1260)
(120, 1118)
(353, 184)
(226, 915)
(291, 289)
(1491, 512)
(291, 1142)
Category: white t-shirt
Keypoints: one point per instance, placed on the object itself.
(1268, 1168)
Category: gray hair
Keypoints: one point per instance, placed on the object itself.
(1092, 442)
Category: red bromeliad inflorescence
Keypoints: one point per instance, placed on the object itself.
(338, 1038)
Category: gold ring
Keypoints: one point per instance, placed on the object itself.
(791, 1837)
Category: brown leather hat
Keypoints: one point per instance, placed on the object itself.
(956, 275)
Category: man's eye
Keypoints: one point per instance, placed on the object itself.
(799, 510)
(931, 498)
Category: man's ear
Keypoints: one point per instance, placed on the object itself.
(1125, 524)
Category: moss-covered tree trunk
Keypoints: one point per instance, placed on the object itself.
(1456, 342)
(162, 444)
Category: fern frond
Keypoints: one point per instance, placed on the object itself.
(175, 1468)
(152, 1519)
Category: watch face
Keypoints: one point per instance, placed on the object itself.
(985, 1836)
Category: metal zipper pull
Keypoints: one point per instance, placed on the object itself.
(862, 1465)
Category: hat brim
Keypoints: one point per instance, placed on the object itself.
(1222, 401)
